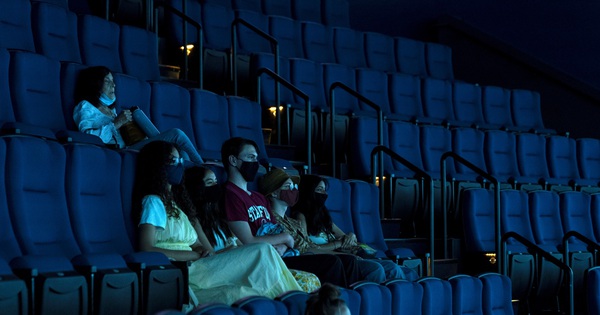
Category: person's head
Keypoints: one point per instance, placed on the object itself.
(279, 188)
(326, 301)
(313, 194)
(160, 172)
(240, 156)
(95, 85)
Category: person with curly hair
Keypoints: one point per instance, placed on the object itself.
(326, 302)
(163, 208)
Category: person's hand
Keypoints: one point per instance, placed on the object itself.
(203, 252)
(123, 118)
(349, 240)
(289, 240)
(280, 248)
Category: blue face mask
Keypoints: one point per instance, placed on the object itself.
(107, 100)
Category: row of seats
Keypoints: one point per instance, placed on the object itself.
(461, 294)
(65, 234)
(543, 218)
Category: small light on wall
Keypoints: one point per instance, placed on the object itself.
(189, 48)
(273, 110)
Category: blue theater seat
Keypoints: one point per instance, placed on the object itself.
(496, 106)
(410, 56)
(174, 24)
(496, 294)
(466, 295)
(294, 301)
(55, 32)
(288, 34)
(15, 25)
(339, 204)
(593, 291)
(526, 111)
(216, 23)
(348, 45)
(562, 163)
(250, 5)
(13, 292)
(317, 41)
(307, 76)
(588, 163)
(500, 156)
(256, 305)
(210, 120)
(99, 42)
(40, 221)
(352, 298)
(437, 101)
(467, 104)
(531, 157)
(438, 58)
(6, 111)
(277, 7)
(375, 298)
(363, 139)
(335, 12)
(437, 296)
(216, 309)
(407, 296)
(259, 61)
(405, 98)
(373, 84)
(170, 108)
(249, 41)
(138, 52)
(307, 10)
(69, 72)
(131, 91)
(379, 51)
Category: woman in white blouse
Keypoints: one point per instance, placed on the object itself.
(95, 114)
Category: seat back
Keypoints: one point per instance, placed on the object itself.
(373, 85)
(170, 108)
(174, 24)
(132, 91)
(245, 122)
(317, 41)
(256, 305)
(352, 299)
(588, 158)
(307, 76)
(9, 248)
(546, 224)
(439, 61)
(593, 291)
(365, 215)
(99, 42)
(276, 7)
(288, 34)
(496, 106)
(55, 32)
(514, 212)
(405, 96)
(469, 144)
(216, 24)
(576, 216)
(348, 47)
(139, 56)
(379, 51)
(307, 10)
(335, 12)
(562, 159)
(404, 139)
(210, 119)
(294, 301)
(410, 56)
(500, 155)
(407, 296)
(466, 295)
(478, 220)
(435, 141)
(437, 296)
(247, 40)
(339, 204)
(375, 298)
(69, 72)
(531, 157)
(363, 135)
(344, 103)
(15, 26)
(6, 110)
(467, 103)
(437, 99)
(526, 110)
(497, 298)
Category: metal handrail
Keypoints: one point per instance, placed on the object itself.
(538, 251)
(307, 108)
(199, 38)
(380, 150)
(580, 237)
(363, 99)
(274, 47)
(483, 174)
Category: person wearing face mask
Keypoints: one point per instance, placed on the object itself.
(248, 211)
(163, 209)
(95, 113)
(314, 218)
(282, 192)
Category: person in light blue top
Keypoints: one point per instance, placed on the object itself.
(95, 113)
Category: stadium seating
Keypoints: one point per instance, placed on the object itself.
(55, 32)
(15, 29)
(99, 42)
(379, 51)
(375, 298)
(466, 295)
(410, 56)
(437, 296)
(407, 296)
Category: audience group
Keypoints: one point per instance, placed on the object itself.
(239, 242)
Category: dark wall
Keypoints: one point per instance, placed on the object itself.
(562, 37)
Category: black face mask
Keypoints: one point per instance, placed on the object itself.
(249, 170)
(175, 174)
(212, 193)
(320, 199)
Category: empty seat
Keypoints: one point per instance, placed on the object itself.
(407, 296)
(496, 106)
(437, 101)
(216, 23)
(170, 108)
(210, 120)
(13, 291)
(375, 298)
(500, 155)
(593, 291)
(496, 294)
(69, 72)
(294, 301)
(249, 41)
(255, 305)
(139, 55)
(437, 296)
(531, 157)
(335, 12)
(562, 163)
(288, 34)
(317, 42)
(250, 5)
(466, 295)
(277, 7)
(379, 51)
(439, 61)
(132, 92)
(405, 98)
(307, 10)
(348, 47)
(410, 56)
(99, 42)
(174, 24)
(55, 32)
(373, 85)
(352, 299)
(467, 104)
(15, 26)
(267, 84)
(588, 162)
(363, 139)
(526, 111)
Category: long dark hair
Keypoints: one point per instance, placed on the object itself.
(326, 301)
(151, 179)
(209, 214)
(317, 217)
(89, 85)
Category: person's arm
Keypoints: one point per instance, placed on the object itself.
(242, 230)
(148, 240)
(202, 239)
(346, 239)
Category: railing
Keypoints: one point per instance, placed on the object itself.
(363, 99)
(233, 61)
(199, 38)
(538, 251)
(380, 150)
(484, 174)
(588, 242)
(307, 109)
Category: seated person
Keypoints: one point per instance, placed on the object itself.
(210, 225)
(95, 114)
(326, 302)
(314, 218)
(162, 206)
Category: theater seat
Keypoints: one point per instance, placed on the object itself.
(255, 305)
(138, 52)
(496, 294)
(15, 26)
(210, 121)
(375, 298)
(55, 32)
(437, 296)
(466, 295)
(407, 296)
(294, 301)
(99, 42)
